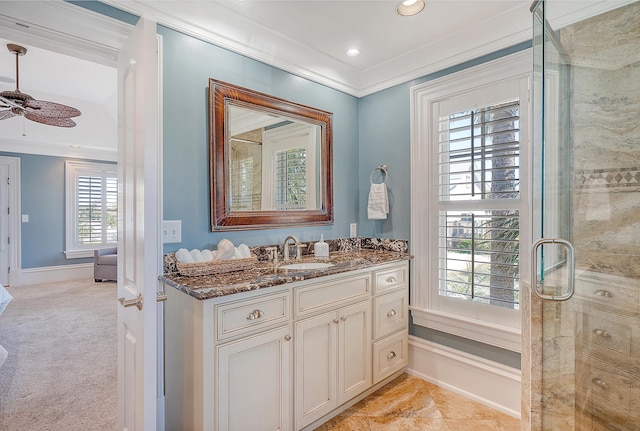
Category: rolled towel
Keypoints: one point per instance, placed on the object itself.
(236, 254)
(244, 251)
(183, 256)
(207, 256)
(226, 250)
(196, 255)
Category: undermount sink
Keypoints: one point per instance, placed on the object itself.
(307, 265)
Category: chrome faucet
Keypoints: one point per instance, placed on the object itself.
(285, 247)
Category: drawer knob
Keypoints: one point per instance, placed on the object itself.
(287, 337)
(255, 314)
(599, 382)
(601, 332)
(605, 293)
(391, 313)
(391, 355)
(336, 321)
(391, 279)
(343, 318)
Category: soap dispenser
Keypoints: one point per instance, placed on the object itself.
(321, 248)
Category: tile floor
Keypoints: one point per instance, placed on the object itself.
(412, 404)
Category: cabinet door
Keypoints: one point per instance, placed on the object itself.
(254, 383)
(354, 350)
(315, 367)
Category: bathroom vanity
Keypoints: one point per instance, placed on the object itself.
(276, 349)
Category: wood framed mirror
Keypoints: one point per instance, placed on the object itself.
(270, 161)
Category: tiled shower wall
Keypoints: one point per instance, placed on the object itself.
(605, 135)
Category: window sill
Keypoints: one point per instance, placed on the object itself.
(505, 337)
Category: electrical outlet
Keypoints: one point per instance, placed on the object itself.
(353, 230)
(171, 231)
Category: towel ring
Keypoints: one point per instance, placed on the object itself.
(381, 168)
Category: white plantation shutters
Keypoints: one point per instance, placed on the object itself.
(479, 179)
(92, 207)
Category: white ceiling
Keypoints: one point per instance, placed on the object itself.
(71, 51)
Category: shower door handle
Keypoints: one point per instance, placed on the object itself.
(570, 264)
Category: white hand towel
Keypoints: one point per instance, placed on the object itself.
(378, 206)
(226, 250)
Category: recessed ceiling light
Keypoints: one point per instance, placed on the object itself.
(410, 7)
(353, 52)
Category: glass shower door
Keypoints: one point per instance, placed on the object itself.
(585, 369)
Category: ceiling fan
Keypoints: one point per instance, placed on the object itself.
(14, 103)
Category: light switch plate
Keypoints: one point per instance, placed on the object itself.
(353, 230)
(171, 231)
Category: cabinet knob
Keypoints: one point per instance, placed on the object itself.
(391, 313)
(343, 318)
(605, 293)
(391, 279)
(599, 382)
(336, 321)
(287, 337)
(601, 332)
(255, 314)
(391, 355)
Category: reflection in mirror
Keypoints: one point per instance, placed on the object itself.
(270, 160)
(273, 161)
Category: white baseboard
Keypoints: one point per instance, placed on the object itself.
(490, 383)
(49, 274)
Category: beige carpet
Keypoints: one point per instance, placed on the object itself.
(61, 370)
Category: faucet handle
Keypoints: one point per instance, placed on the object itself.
(299, 246)
(273, 254)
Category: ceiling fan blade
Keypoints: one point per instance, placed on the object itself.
(6, 114)
(51, 109)
(50, 121)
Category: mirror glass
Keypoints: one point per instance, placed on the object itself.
(270, 161)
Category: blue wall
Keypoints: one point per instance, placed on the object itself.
(43, 200)
(188, 64)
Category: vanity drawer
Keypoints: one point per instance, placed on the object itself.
(390, 354)
(241, 317)
(389, 313)
(331, 294)
(390, 279)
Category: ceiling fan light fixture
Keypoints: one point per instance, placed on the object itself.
(14, 103)
(410, 7)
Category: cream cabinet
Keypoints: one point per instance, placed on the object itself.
(253, 378)
(286, 357)
(332, 360)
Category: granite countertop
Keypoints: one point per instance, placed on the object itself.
(264, 275)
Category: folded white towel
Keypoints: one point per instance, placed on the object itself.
(183, 256)
(207, 255)
(378, 205)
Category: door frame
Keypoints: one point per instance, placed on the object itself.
(13, 218)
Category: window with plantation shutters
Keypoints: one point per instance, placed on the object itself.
(92, 207)
(478, 219)
(291, 179)
(470, 201)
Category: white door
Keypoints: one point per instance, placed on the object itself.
(138, 233)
